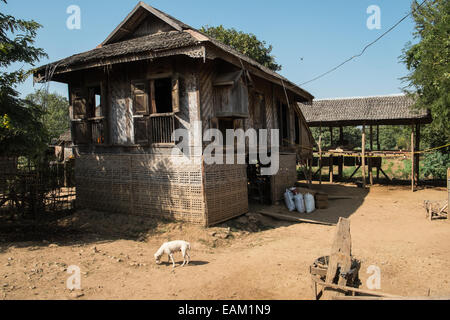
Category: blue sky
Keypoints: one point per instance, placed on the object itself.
(323, 33)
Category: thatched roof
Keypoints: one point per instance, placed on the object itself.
(388, 110)
(120, 47)
(151, 43)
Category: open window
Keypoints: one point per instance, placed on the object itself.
(95, 110)
(88, 121)
(155, 102)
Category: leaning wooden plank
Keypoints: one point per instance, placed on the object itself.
(293, 219)
(350, 289)
(340, 257)
(341, 197)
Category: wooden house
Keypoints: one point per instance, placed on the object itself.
(154, 74)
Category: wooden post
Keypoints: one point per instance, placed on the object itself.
(331, 168)
(371, 138)
(363, 158)
(331, 157)
(341, 159)
(412, 159)
(331, 137)
(417, 158)
(341, 256)
(379, 149)
(320, 156)
(369, 161)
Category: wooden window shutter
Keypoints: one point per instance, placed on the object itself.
(82, 132)
(176, 93)
(91, 103)
(141, 131)
(140, 98)
(79, 103)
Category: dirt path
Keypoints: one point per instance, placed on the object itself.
(389, 230)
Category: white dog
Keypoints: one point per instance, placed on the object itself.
(170, 248)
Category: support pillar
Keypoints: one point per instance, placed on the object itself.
(320, 156)
(341, 159)
(363, 158)
(370, 159)
(379, 149)
(331, 157)
(417, 157)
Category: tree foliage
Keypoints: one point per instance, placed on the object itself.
(246, 43)
(436, 164)
(352, 137)
(20, 128)
(55, 112)
(429, 64)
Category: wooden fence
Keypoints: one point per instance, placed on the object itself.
(29, 192)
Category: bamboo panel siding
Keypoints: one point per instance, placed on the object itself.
(226, 192)
(142, 185)
(286, 177)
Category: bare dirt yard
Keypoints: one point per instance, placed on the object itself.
(249, 258)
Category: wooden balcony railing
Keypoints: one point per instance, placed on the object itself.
(98, 131)
(161, 128)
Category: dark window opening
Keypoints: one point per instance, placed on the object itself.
(163, 95)
(297, 130)
(224, 125)
(283, 118)
(285, 121)
(94, 107)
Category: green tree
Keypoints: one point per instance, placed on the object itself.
(395, 137)
(246, 43)
(20, 129)
(352, 137)
(55, 117)
(429, 64)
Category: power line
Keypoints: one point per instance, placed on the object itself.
(365, 48)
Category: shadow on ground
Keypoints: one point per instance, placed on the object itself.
(256, 222)
(89, 227)
(80, 228)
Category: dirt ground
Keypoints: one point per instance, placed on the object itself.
(249, 258)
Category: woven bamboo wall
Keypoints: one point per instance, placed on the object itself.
(162, 186)
(226, 192)
(286, 177)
